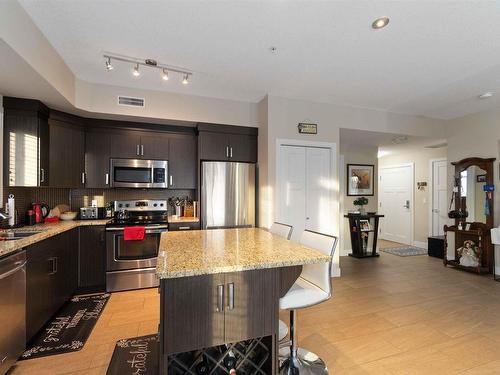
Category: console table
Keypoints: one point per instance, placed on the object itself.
(364, 231)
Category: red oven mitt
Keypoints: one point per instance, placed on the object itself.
(134, 233)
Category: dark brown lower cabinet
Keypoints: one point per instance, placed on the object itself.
(92, 259)
(204, 311)
(51, 278)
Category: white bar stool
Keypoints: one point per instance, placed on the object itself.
(311, 288)
(285, 231)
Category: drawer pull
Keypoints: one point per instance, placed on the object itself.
(184, 228)
(220, 298)
(230, 292)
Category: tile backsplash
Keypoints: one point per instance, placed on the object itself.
(77, 198)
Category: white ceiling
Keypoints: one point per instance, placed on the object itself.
(433, 58)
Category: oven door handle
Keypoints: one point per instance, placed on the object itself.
(157, 229)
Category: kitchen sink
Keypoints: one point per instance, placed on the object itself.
(17, 235)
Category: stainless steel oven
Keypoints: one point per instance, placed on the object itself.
(132, 264)
(139, 173)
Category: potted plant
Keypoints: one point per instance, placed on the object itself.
(360, 203)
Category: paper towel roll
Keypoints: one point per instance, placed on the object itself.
(11, 209)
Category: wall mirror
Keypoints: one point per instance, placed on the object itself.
(471, 175)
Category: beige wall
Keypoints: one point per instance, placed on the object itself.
(355, 154)
(421, 158)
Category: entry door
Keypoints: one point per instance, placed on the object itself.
(395, 203)
(305, 189)
(439, 197)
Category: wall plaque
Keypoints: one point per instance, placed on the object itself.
(307, 128)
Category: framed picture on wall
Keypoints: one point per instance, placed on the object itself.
(360, 179)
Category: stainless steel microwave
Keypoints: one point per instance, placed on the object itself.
(139, 173)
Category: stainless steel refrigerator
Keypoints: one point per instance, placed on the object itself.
(227, 194)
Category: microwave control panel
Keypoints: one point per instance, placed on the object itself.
(159, 175)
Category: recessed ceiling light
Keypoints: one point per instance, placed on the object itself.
(185, 79)
(486, 95)
(380, 23)
(164, 75)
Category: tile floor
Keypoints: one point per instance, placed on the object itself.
(390, 315)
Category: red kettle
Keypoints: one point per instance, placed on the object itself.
(41, 211)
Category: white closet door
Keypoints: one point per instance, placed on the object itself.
(319, 188)
(292, 188)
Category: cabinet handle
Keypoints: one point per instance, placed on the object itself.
(230, 292)
(42, 175)
(171, 180)
(106, 179)
(83, 177)
(184, 228)
(220, 298)
(227, 151)
(56, 265)
(142, 150)
(53, 266)
(231, 152)
(137, 150)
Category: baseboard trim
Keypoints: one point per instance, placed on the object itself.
(345, 252)
(335, 271)
(422, 245)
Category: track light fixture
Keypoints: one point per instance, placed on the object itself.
(108, 64)
(136, 72)
(165, 69)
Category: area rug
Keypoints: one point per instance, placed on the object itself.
(69, 329)
(138, 355)
(408, 251)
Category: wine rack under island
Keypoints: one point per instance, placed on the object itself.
(219, 301)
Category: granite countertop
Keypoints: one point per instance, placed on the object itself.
(46, 230)
(203, 252)
(183, 219)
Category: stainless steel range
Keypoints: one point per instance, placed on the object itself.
(132, 264)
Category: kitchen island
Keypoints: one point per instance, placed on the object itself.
(220, 293)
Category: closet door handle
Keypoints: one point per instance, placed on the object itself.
(137, 150)
(106, 179)
(231, 152)
(83, 178)
(220, 298)
(42, 175)
(230, 299)
(171, 180)
(227, 151)
(142, 150)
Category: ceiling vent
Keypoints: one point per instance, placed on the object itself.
(130, 101)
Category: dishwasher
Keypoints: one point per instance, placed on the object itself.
(12, 309)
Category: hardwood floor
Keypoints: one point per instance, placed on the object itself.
(389, 315)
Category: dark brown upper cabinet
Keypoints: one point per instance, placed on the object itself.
(227, 143)
(26, 142)
(67, 151)
(154, 145)
(182, 161)
(125, 144)
(131, 144)
(97, 155)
